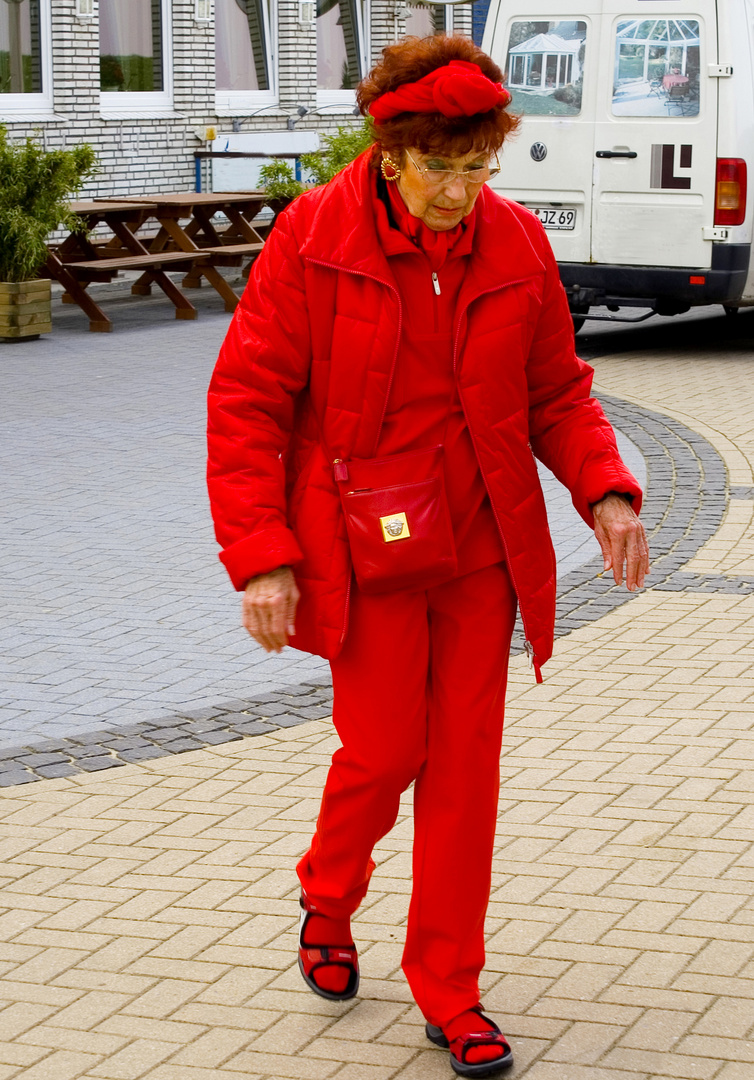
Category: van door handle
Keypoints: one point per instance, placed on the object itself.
(617, 153)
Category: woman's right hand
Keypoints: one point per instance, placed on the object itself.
(269, 608)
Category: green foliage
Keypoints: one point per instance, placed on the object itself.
(556, 103)
(35, 186)
(111, 75)
(132, 72)
(570, 94)
(29, 74)
(279, 180)
(339, 150)
(346, 78)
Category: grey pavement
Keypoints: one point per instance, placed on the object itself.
(149, 913)
(575, 544)
(116, 610)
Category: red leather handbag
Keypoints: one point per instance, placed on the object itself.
(398, 521)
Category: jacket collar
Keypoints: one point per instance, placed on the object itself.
(394, 241)
(343, 233)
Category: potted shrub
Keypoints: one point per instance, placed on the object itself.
(35, 186)
(338, 151)
(280, 184)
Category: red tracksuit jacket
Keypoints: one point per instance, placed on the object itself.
(312, 349)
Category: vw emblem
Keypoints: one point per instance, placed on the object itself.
(538, 151)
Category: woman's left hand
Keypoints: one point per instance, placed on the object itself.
(622, 539)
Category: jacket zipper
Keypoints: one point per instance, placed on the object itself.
(528, 647)
(339, 465)
(338, 461)
(435, 301)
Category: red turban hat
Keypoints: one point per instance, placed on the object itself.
(457, 89)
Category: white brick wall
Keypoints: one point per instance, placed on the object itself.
(462, 19)
(383, 25)
(143, 156)
(297, 64)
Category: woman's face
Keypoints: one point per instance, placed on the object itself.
(440, 205)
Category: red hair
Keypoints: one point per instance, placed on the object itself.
(432, 133)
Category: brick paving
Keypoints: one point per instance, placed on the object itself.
(680, 517)
(122, 638)
(148, 912)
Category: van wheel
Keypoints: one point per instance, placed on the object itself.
(579, 318)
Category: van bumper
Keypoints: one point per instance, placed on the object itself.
(667, 289)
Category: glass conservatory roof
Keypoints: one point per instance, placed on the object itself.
(547, 43)
(661, 32)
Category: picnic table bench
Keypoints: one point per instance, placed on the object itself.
(198, 247)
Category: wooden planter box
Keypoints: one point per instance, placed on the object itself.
(25, 309)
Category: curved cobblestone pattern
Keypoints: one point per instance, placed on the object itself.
(686, 498)
(685, 503)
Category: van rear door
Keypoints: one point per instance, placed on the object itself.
(618, 145)
(655, 134)
(549, 56)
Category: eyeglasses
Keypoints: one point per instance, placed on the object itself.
(475, 175)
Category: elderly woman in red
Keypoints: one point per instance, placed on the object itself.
(403, 350)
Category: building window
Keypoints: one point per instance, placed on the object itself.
(341, 53)
(25, 62)
(244, 53)
(134, 40)
(425, 19)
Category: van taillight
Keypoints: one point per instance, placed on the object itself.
(730, 191)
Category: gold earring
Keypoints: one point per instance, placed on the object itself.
(389, 169)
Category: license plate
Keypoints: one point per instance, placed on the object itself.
(555, 217)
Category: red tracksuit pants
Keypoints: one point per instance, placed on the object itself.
(419, 693)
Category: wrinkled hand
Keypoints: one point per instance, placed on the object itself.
(622, 539)
(269, 608)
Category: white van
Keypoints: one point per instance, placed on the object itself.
(638, 126)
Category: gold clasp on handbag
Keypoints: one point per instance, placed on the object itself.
(394, 527)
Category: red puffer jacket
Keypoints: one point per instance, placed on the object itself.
(311, 349)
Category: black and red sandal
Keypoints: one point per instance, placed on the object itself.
(312, 958)
(460, 1046)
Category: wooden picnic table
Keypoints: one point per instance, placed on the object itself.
(65, 261)
(227, 244)
(199, 246)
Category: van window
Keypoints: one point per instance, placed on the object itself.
(544, 68)
(656, 67)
